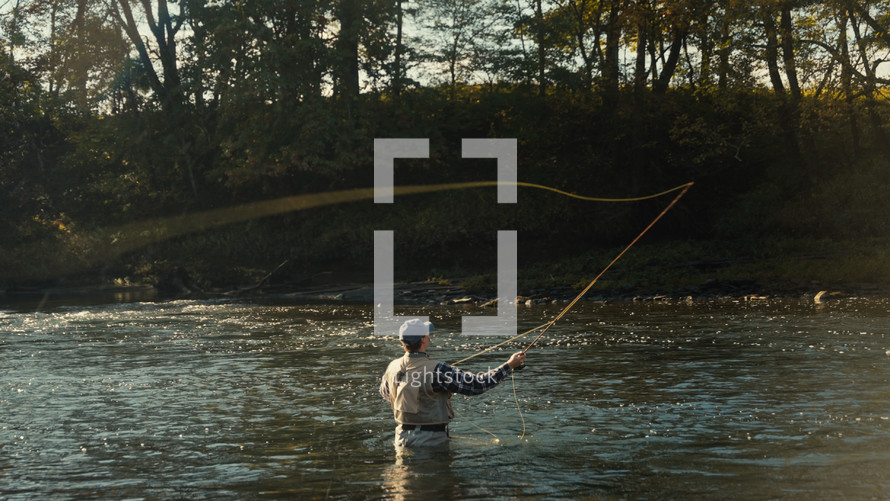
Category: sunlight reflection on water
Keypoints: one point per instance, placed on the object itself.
(244, 399)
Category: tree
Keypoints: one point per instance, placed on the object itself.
(643, 17)
(585, 26)
(541, 42)
(29, 142)
(72, 48)
(398, 66)
(865, 44)
(789, 102)
(678, 17)
(350, 14)
(609, 60)
(457, 34)
(164, 28)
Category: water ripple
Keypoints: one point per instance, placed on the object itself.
(237, 399)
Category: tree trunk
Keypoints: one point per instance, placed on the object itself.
(847, 83)
(580, 28)
(14, 28)
(168, 90)
(787, 32)
(610, 71)
(772, 53)
(787, 110)
(80, 72)
(707, 48)
(670, 66)
(397, 70)
(305, 75)
(347, 45)
(723, 55)
(653, 62)
(870, 87)
(53, 83)
(640, 73)
(165, 36)
(542, 50)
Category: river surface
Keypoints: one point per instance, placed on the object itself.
(267, 399)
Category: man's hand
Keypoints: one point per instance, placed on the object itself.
(516, 359)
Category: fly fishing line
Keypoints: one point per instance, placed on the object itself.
(545, 327)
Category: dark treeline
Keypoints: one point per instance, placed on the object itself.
(123, 111)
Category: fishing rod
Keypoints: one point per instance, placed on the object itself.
(545, 327)
(590, 285)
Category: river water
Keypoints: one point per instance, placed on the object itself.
(248, 399)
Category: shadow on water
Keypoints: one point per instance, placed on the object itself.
(40, 300)
(421, 474)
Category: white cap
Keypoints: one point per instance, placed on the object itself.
(414, 330)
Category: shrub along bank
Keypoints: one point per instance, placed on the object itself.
(105, 202)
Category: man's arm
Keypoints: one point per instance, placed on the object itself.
(453, 380)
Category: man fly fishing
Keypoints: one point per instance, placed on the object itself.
(419, 388)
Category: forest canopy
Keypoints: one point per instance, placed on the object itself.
(118, 112)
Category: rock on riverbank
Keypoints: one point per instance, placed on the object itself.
(438, 294)
(432, 293)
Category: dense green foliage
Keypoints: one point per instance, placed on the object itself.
(118, 113)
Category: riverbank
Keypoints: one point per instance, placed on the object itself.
(431, 293)
(670, 271)
(438, 294)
